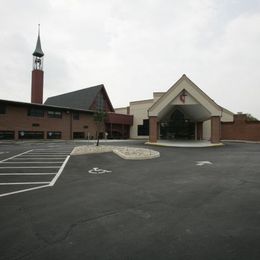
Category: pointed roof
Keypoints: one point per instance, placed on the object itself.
(38, 50)
(80, 99)
(184, 83)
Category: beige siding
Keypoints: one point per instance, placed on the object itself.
(139, 111)
(121, 110)
(207, 129)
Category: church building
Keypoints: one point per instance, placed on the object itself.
(183, 112)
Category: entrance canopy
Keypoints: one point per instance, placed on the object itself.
(185, 96)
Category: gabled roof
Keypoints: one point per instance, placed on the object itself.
(42, 106)
(184, 83)
(80, 99)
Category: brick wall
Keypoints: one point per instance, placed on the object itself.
(16, 119)
(215, 129)
(240, 129)
(153, 129)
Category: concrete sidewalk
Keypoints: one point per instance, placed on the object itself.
(184, 143)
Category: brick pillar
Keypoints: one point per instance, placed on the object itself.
(199, 130)
(37, 86)
(153, 129)
(215, 129)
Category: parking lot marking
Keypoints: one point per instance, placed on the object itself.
(59, 172)
(43, 157)
(26, 173)
(24, 183)
(37, 158)
(31, 162)
(96, 170)
(34, 159)
(201, 163)
(24, 190)
(15, 156)
(28, 167)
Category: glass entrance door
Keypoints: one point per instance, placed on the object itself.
(177, 127)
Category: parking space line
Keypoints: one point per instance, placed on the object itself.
(22, 158)
(26, 173)
(24, 190)
(43, 156)
(15, 156)
(35, 159)
(24, 183)
(28, 167)
(59, 172)
(30, 162)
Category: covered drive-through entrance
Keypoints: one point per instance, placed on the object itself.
(181, 112)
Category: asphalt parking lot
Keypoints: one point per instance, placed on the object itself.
(191, 203)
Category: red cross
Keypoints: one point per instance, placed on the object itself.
(182, 96)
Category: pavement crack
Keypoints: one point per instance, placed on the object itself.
(65, 235)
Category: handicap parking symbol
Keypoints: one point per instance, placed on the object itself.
(96, 170)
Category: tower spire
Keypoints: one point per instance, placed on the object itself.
(38, 50)
(37, 73)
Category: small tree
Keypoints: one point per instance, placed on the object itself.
(251, 118)
(99, 118)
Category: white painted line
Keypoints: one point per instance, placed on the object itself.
(34, 183)
(43, 156)
(98, 171)
(26, 173)
(20, 191)
(15, 156)
(36, 158)
(30, 162)
(59, 172)
(23, 183)
(48, 152)
(27, 167)
(201, 163)
(63, 150)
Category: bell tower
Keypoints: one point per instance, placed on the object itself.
(37, 72)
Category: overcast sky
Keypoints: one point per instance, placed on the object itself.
(134, 47)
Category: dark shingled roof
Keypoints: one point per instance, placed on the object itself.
(80, 99)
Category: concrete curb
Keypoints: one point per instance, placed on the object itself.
(184, 145)
(124, 152)
(149, 155)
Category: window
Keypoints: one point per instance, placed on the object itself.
(78, 135)
(53, 135)
(75, 115)
(31, 135)
(144, 128)
(35, 112)
(2, 109)
(6, 135)
(35, 125)
(100, 102)
(54, 114)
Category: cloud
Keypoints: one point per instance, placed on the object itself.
(134, 48)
